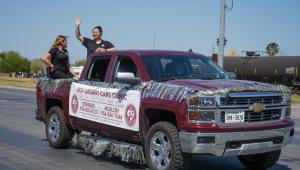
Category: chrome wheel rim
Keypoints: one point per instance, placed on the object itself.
(53, 128)
(160, 150)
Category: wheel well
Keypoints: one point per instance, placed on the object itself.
(156, 115)
(53, 102)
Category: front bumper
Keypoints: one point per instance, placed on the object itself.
(236, 143)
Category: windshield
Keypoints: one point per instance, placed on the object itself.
(162, 68)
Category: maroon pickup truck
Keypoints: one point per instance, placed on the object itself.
(162, 107)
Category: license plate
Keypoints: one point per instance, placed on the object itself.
(235, 117)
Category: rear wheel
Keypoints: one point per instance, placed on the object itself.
(162, 148)
(57, 132)
(260, 161)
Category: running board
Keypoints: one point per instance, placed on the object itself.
(99, 146)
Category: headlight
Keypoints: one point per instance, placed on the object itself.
(202, 101)
(201, 108)
(202, 115)
(286, 98)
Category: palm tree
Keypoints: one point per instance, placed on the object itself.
(272, 49)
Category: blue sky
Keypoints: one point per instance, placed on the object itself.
(30, 26)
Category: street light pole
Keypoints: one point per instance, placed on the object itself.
(222, 34)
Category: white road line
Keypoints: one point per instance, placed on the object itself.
(9, 107)
(15, 93)
(9, 102)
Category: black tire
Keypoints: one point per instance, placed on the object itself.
(260, 161)
(57, 132)
(175, 158)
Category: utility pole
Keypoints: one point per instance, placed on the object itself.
(222, 34)
(154, 39)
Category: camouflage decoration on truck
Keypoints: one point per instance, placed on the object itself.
(51, 85)
(104, 147)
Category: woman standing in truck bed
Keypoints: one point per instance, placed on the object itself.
(58, 60)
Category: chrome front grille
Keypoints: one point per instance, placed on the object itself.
(264, 115)
(249, 100)
(271, 102)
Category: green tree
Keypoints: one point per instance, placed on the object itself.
(25, 65)
(10, 62)
(37, 65)
(2, 56)
(272, 49)
(80, 62)
(14, 62)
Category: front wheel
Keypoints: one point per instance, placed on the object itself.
(57, 132)
(260, 161)
(162, 148)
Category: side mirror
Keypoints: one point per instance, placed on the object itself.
(231, 75)
(128, 78)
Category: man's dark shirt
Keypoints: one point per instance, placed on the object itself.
(91, 45)
(59, 59)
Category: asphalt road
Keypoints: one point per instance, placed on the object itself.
(23, 143)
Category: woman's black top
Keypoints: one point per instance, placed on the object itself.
(92, 46)
(60, 60)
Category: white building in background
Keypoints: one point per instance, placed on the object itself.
(77, 69)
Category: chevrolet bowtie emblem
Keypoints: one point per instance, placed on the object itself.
(256, 107)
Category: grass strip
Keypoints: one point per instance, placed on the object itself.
(18, 82)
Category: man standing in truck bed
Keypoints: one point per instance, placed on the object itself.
(95, 45)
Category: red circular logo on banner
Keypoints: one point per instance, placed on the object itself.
(130, 115)
(74, 104)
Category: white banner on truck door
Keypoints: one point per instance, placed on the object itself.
(109, 106)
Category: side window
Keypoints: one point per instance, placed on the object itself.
(126, 65)
(98, 70)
